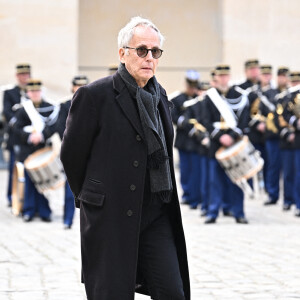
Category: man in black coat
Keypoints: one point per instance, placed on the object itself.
(11, 103)
(117, 155)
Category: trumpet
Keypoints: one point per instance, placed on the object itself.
(197, 125)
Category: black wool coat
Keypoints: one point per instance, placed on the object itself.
(105, 156)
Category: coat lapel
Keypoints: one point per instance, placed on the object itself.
(127, 105)
(130, 110)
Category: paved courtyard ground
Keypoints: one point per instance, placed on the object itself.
(40, 261)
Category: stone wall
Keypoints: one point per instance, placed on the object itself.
(192, 29)
(267, 30)
(43, 33)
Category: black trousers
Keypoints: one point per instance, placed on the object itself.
(157, 261)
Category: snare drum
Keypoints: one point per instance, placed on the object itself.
(241, 161)
(18, 187)
(45, 170)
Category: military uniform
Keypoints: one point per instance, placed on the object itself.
(291, 114)
(267, 109)
(60, 126)
(286, 149)
(34, 202)
(11, 103)
(194, 112)
(187, 147)
(222, 191)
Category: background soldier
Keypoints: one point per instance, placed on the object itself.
(11, 103)
(291, 115)
(287, 137)
(59, 127)
(222, 191)
(267, 109)
(186, 146)
(252, 73)
(194, 113)
(30, 140)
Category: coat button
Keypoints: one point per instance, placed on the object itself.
(132, 187)
(136, 163)
(138, 138)
(129, 213)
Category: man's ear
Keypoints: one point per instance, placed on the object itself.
(121, 55)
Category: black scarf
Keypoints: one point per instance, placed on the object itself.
(158, 160)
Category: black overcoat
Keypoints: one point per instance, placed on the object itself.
(104, 156)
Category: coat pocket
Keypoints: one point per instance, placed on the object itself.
(92, 198)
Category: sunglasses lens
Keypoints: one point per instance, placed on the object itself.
(142, 52)
(156, 53)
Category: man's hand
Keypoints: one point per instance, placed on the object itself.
(35, 138)
(261, 127)
(226, 140)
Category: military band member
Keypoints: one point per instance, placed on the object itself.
(224, 129)
(194, 113)
(291, 115)
(287, 137)
(283, 79)
(267, 110)
(11, 103)
(186, 146)
(60, 126)
(31, 138)
(252, 72)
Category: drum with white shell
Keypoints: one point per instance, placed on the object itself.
(45, 170)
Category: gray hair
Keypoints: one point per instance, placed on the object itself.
(126, 33)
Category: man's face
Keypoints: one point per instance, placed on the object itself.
(141, 69)
(35, 96)
(265, 79)
(282, 80)
(253, 73)
(23, 78)
(222, 81)
(75, 88)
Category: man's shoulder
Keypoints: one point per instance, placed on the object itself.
(99, 85)
(12, 91)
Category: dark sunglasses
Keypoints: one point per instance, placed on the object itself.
(143, 52)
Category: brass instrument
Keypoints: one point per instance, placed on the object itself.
(282, 122)
(202, 132)
(270, 123)
(296, 108)
(197, 125)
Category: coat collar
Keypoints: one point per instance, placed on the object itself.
(127, 105)
(130, 110)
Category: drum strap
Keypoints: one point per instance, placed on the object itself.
(223, 107)
(36, 119)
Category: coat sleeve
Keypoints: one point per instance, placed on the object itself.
(81, 127)
(7, 106)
